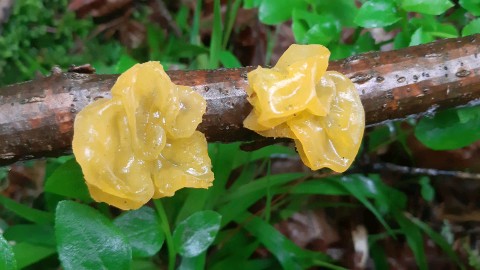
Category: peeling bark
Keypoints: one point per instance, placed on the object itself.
(36, 117)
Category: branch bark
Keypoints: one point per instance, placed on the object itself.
(36, 117)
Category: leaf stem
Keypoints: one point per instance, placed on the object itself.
(168, 234)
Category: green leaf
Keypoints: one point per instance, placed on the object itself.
(326, 186)
(142, 229)
(343, 10)
(431, 7)
(196, 233)
(30, 214)
(362, 188)
(216, 39)
(229, 60)
(67, 180)
(31, 233)
(251, 3)
(427, 191)
(251, 193)
(262, 184)
(420, 37)
(442, 132)
(438, 239)
(472, 6)
(124, 63)
(432, 26)
(88, 240)
(193, 263)
(144, 264)
(471, 28)
(278, 11)
(311, 28)
(27, 254)
(7, 258)
(287, 253)
(377, 13)
(401, 40)
(414, 239)
(341, 51)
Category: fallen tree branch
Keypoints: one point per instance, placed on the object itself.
(36, 117)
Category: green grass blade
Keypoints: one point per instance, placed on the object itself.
(30, 214)
(287, 253)
(216, 39)
(231, 15)
(437, 238)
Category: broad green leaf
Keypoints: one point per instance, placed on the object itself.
(27, 254)
(67, 180)
(401, 40)
(444, 30)
(311, 28)
(343, 10)
(196, 233)
(473, 6)
(432, 26)
(88, 240)
(431, 7)
(142, 229)
(7, 257)
(193, 263)
(251, 3)
(377, 13)
(442, 132)
(144, 264)
(471, 28)
(341, 51)
(31, 233)
(229, 60)
(278, 11)
(30, 214)
(420, 37)
(365, 43)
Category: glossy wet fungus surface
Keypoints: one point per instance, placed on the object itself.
(320, 110)
(142, 143)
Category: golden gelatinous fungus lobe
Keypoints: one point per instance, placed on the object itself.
(142, 143)
(319, 109)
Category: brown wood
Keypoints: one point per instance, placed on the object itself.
(36, 117)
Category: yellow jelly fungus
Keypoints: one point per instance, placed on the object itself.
(142, 143)
(320, 110)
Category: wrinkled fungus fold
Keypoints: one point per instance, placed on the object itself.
(142, 143)
(319, 109)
